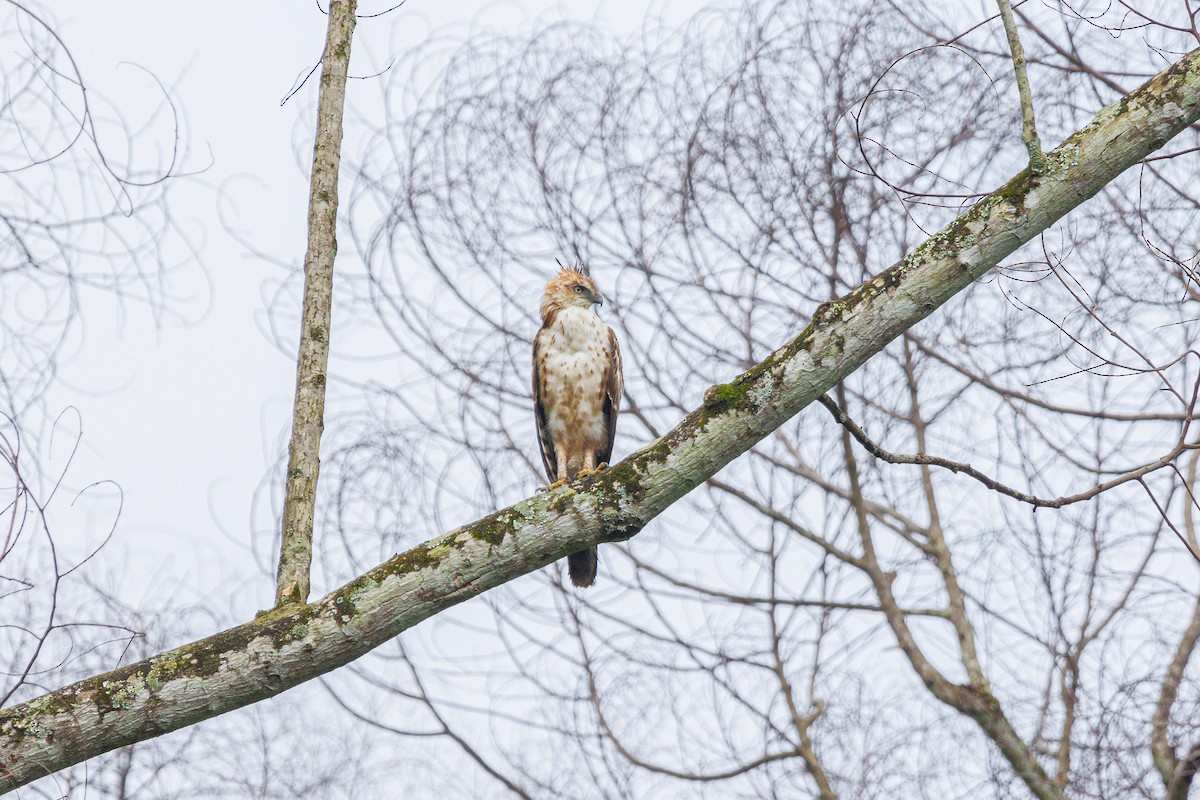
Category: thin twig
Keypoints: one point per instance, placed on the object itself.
(991, 483)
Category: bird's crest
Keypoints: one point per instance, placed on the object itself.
(578, 267)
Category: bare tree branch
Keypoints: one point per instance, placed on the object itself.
(308, 416)
(924, 459)
(1029, 134)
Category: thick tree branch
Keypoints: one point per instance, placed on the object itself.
(296, 643)
(1185, 773)
(975, 700)
(308, 414)
(1165, 759)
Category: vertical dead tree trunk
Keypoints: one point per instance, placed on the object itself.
(312, 361)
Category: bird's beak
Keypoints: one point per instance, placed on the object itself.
(597, 299)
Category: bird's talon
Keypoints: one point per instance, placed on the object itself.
(587, 473)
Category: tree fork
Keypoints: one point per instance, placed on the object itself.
(312, 360)
(295, 643)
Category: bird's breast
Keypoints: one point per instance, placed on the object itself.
(577, 330)
(573, 361)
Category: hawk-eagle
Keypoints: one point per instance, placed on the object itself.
(577, 388)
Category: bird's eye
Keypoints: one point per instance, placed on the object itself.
(579, 289)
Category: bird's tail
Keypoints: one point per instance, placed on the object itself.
(582, 566)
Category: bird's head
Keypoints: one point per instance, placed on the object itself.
(570, 287)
